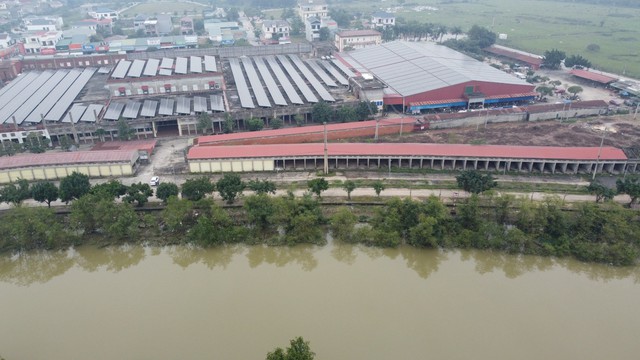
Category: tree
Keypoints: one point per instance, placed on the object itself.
(481, 37)
(100, 133)
(600, 191)
(378, 187)
(138, 193)
(125, 132)
(229, 186)
(349, 186)
(262, 186)
(593, 47)
(342, 225)
(204, 122)
(228, 126)
(298, 350)
(553, 58)
(166, 190)
(257, 32)
(44, 191)
(260, 210)
(346, 113)
(317, 186)
(630, 186)
(365, 110)
(578, 61)
(321, 112)
(297, 26)
(255, 124)
(474, 182)
(324, 34)
(341, 16)
(299, 119)
(65, 142)
(456, 30)
(544, 91)
(276, 123)
(12, 194)
(110, 190)
(196, 189)
(575, 90)
(35, 143)
(74, 186)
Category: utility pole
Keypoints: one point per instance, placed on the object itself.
(326, 152)
(599, 153)
(635, 115)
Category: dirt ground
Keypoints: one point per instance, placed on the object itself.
(622, 132)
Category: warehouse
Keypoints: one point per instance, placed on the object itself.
(54, 166)
(370, 156)
(423, 76)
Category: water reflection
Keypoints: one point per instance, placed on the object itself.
(279, 256)
(34, 267)
(112, 258)
(221, 256)
(424, 262)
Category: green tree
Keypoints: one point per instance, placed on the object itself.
(12, 194)
(298, 350)
(544, 91)
(166, 190)
(262, 186)
(324, 34)
(365, 110)
(317, 186)
(255, 124)
(346, 113)
(196, 189)
(575, 90)
(35, 143)
(27, 228)
(577, 60)
(321, 112)
(630, 185)
(341, 16)
(100, 133)
(138, 193)
(299, 119)
(204, 122)
(342, 225)
(260, 210)
(457, 30)
(112, 189)
(178, 215)
(44, 191)
(349, 186)
(297, 26)
(553, 58)
(423, 233)
(228, 125)
(125, 132)
(230, 186)
(482, 37)
(65, 142)
(378, 187)
(74, 186)
(475, 182)
(276, 123)
(600, 191)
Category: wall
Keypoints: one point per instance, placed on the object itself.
(457, 91)
(247, 165)
(58, 172)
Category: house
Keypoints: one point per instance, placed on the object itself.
(103, 13)
(33, 23)
(275, 29)
(186, 26)
(36, 42)
(382, 19)
(312, 8)
(138, 22)
(218, 30)
(357, 39)
(103, 26)
(159, 26)
(312, 28)
(6, 41)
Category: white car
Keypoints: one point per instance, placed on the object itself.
(155, 181)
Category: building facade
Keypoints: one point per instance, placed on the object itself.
(357, 39)
(382, 20)
(281, 28)
(315, 8)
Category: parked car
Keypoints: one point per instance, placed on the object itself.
(155, 181)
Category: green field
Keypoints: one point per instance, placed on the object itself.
(536, 26)
(164, 7)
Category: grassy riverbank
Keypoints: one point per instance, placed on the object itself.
(606, 233)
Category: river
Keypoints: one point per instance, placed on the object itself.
(350, 302)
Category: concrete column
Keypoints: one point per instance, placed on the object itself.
(421, 160)
(453, 164)
(519, 166)
(179, 127)
(563, 166)
(154, 128)
(553, 168)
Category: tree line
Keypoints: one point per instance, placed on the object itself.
(597, 232)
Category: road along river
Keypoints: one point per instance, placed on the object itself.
(350, 302)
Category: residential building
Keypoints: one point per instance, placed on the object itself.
(103, 13)
(33, 23)
(281, 28)
(357, 39)
(104, 26)
(186, 26)
(6, 41)
(382, 20)
(35, 43)
(138, 22)
(312, 28)
(159, 26)
(222, 29)
(312, 8)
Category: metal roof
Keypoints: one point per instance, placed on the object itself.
(165, 72)
(336, 74)
(589, 75)
(324, 94)
(54, 95)
(149, 108)
(210, 63)
(217, 103)
(195, 64)
(256, 84)
(92, 113)
(243, 91)
(321, 73)
(408, 150)
(273, 88)
(184, 105)
(120, 72)
(284, 81)
(200, 104)
(25, 108)
(306, 92)
(55, 114)
(113, 111)
(67, 158)
(181, 65)
(131, 110)
(136, 68)
(412, 68)
(167, 63)
(166, 107)
(76, 111)
(343, 68)
(10, 99)
(151, 69)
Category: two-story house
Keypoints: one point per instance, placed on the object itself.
(43, 23)
(357, 39)
(275, 29)
(382, 20)
(312, 8)
(103, 13)
(186, 26)
(104, 26)
(36, 42)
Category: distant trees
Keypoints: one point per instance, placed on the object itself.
(378, 187)
(577, 61)
(630, 185)
(324, 34)
(262, 186)
(298, 350)
(600, 191)
(544, 91)
(276, 123)
(481, 36)
(553, 58)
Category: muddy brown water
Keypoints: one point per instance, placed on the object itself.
(350, 302)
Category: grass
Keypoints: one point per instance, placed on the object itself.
(163, 7)
(539, 25)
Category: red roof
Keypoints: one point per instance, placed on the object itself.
(603, 79)
(140, 145)
(515, 55)
(368, 149)
(66, 158)
(299, 130)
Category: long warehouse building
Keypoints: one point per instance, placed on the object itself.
(540, 159)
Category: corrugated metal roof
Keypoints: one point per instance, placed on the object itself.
(368, 149)
(412, 68)
(67, 158)
(601, 78)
